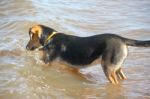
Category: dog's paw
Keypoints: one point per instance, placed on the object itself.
(46, 61)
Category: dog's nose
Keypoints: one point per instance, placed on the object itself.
(32, 48)
(27, 48)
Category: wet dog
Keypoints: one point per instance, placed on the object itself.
(82, 51)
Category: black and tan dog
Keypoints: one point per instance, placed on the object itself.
(82, 51)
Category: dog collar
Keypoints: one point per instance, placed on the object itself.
(47, 40)
(50, 36)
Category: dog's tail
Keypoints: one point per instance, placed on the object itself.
(137, 43)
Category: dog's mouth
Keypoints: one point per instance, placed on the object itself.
(39, 48)
(33, 48)
(30, 48)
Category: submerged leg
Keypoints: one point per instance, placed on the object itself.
(108, 75)
(114, 76)
(120, 74)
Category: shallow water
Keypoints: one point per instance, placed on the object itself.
(23, 75)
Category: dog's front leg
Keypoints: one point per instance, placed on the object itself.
(49, 56)
(46, 58)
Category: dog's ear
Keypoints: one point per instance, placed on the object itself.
(36, 30)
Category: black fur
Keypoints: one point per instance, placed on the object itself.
(84, 50)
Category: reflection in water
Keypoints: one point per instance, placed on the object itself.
(115, 92)
(24, 76)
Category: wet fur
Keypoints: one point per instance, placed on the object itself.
(82, 51)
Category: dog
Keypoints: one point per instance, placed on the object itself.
(81, 51)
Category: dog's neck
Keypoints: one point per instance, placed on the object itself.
(49, 38)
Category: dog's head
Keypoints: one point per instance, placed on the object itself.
(39, 35)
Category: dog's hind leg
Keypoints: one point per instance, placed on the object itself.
(114, 76)
(109, 74)
(120, 74)
(112, 59)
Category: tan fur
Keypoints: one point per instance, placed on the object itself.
(37, 30)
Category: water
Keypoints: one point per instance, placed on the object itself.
(24, 76)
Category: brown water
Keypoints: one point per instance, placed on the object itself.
(23, 75)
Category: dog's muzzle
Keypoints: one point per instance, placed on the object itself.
(34, 48)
